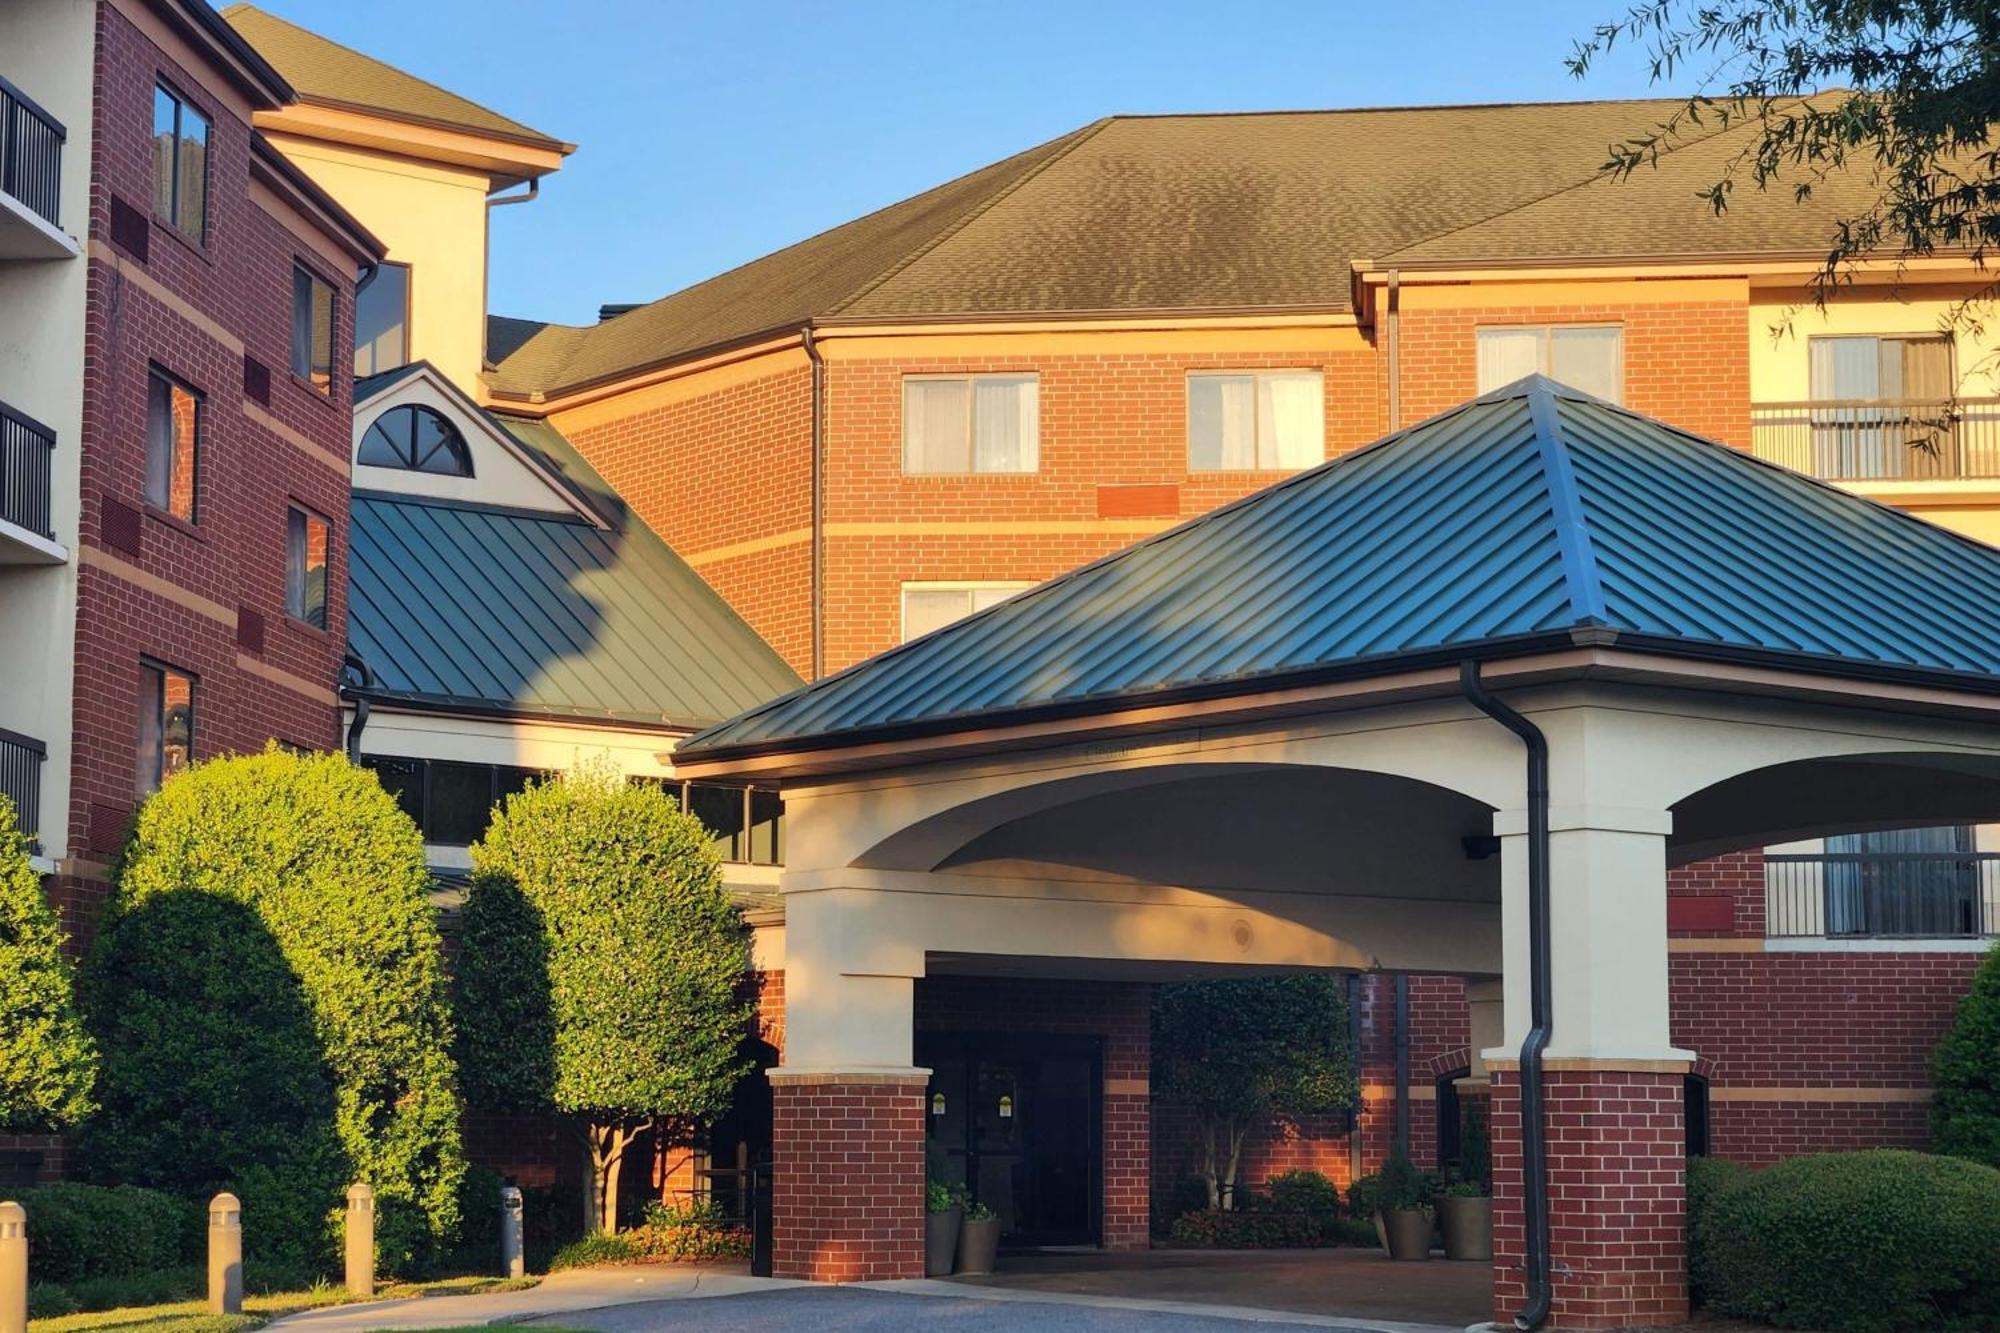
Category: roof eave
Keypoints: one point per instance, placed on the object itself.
(254, 75)
(411, 701)
(281, 174)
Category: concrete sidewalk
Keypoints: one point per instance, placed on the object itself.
(557, 1295)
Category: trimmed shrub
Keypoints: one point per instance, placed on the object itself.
(1189, 1194)
(47, 1060)
(1254, 1229)
(1865, 1242)
(596, 1248)
(690, 1233)
(1965, 1071)
(81, 1232)
(1302, 1191)
(269, 995)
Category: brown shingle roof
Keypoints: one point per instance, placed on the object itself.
(1210, 212)
(325, 71)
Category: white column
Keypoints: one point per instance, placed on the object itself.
(1608, 933)
(1486, 1020)
(849, 993)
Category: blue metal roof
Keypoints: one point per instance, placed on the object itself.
(1504, 524)
(489, 608)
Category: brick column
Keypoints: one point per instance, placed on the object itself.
(847, 1176)
(1617, 1196)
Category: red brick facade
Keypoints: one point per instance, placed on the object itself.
(206, 597)
(847, 1178)
(1617, 1198)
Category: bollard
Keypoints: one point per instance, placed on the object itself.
(360, 1240)
(13, 1268)
(225, 1254)
(512, 1262)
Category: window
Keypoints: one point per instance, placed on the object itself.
(1888, 410)
(312, 329)
(931, 606)
(416, 439)
(746, 823)
(166, 723)
(1266, 421)
(173, 442)
(382, 321)
(451, 803)
(976, 423)
(1586, 357)
(307, 539)
(180, 164)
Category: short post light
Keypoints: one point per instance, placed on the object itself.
(225, 1254)
(360, 1240)
(13, 1268)
(513, 1261)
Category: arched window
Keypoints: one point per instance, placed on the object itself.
(416, 439)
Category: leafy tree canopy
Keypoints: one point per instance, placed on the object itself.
(1906, 91)
(602, 965)
(48, 1063)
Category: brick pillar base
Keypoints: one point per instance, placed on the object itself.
(847, 1176)
(1617, 1198)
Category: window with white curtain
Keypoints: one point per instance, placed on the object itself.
(1590, 357)
(929, 606)
(970, 423)
(1267, 420)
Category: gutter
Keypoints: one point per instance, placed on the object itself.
(352, 662)
(1391, 335)
(1534, 1133)
(818, 489)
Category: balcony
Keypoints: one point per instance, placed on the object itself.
(1881, 439)
(1882, 895)
(31, 152)
(27, 454)
(21, 780)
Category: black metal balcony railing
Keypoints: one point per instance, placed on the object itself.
(27, 454)
(21, 780)
(31, 148)
(1881, 439)
(1927, 895)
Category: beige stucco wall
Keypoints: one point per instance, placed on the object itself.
(431, 217)
(47, 49)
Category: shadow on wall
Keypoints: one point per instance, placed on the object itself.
(213, 1076)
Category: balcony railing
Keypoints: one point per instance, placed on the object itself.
(1881, 439)
(31, 148)
(27, 454)
(21, 780)
(1921, 895)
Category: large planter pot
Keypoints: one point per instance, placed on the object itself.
(978, 1243)
(941, 1241)
(1467, 1221)
(1409, 1233)
(1381, 1234)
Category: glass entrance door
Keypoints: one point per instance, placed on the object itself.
(1016, 1121)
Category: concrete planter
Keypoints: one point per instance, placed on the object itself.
(1467, 1222)
(941, 1241)
(978, 1243)
(1409, 1233)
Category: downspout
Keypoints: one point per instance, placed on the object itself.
(352, 663)
(1392, 336)
(1403, 1064)
(818, 486)
(493, 201)
(1534, 1134)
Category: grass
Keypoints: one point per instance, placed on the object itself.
(193, 1316)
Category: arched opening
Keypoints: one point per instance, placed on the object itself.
(414, 438)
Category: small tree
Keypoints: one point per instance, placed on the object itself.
(1965, 1075)
(269, 992)
(1242, 1053)
(47, 1061)
(602, 968)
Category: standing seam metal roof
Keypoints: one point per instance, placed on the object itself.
(1516, 518)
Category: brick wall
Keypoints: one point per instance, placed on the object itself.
(1687, 363)
(181, 596)
(1120, 1013)
(847, 1179)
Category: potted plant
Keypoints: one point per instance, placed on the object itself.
(1408, 1200)
(1465, 1214)
(941, 1225)
(1364, 1202)
(978, 1240)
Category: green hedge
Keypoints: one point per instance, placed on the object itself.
(1965, 1108)
(78, 1233)
(1866, 1242)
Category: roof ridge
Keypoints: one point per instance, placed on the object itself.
(1076, 139)
(1559, 191)
(1528, 103)
(243, 6)
(1579, 552)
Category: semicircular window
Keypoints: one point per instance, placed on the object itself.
(416, 439)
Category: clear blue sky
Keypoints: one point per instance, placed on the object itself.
(711, 134)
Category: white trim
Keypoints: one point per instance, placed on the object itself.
(1820, 944)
